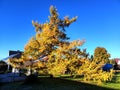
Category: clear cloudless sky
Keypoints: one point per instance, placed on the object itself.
(98, 22)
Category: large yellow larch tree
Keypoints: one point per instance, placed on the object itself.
(50, 40)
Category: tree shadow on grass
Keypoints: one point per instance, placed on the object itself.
(116, 78)
(49, 83)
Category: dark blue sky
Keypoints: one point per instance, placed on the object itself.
(98, 22)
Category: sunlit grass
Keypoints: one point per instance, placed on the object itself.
(115, 83)
(63, 82)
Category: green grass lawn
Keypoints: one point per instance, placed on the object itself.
(115, 83)
(62, 83)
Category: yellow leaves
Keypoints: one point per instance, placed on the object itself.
(51, 40)
(32, 44)
(39, 64)
(38, 36)
(93, 71)
(37, 25)
(72, 45)
(68, 21)
(16, 62)
(58, 68)
(101, 54)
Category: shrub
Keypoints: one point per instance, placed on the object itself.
(93, 72)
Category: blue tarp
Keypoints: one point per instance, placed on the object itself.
(107, 67)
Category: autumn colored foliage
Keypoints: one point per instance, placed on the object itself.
(51, 52)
